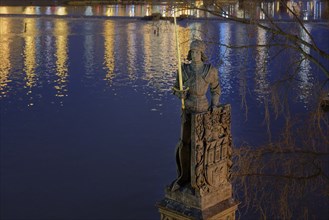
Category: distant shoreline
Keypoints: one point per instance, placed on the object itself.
(68, 2)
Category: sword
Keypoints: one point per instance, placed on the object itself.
(180, 76)
(179, 147)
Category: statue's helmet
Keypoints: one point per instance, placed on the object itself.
(198, 45)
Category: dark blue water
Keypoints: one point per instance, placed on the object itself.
(88, 121)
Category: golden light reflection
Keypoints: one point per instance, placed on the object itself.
(159, 43)
(295, 7)
(148, 10)
(147, 48)
(198, 3)
(61, 31)
(110, 11)
(30, 10)
(61, 10)
(109, 61)
(184, 38)
(4, 55)
(310, 6)
(163, 49)
(29, 53)
(277, 6)
(131, 49)
(4, 26)
(3, 10)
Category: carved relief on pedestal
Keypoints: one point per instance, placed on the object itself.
(165, 217)
(211, 149)
(210, 197)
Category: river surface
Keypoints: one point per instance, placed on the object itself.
(88, 121)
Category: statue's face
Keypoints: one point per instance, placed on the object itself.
(196, 55)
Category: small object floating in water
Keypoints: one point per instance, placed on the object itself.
(325, 103)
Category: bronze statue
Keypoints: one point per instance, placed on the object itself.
(198, 77)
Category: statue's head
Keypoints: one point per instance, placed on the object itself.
(197, 45)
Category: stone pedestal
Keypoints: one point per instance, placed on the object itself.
(208, 196)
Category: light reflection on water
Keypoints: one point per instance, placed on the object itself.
(146, 52)
(105, 86)
(226, 66)
(30, 56)
(261, 71)
(61, 33)
(89, 49)
(4, 56)
(305, 77)
(109, 60)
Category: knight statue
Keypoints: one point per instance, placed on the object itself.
(198, 77)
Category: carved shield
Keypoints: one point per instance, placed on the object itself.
(215, 168)
(216, 174)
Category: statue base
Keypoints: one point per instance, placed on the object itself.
(194, 198)
(183, 205)
(208, 195)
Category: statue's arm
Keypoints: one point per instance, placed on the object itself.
(215, 89)
(176, 90)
